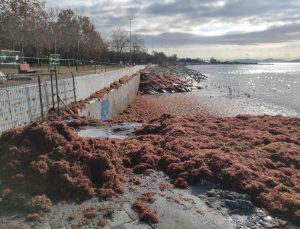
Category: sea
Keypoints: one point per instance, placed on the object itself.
(272, 89)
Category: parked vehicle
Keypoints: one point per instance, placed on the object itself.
(3, 77)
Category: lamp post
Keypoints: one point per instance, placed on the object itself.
(130, 20)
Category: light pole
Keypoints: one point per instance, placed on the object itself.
(130, 19)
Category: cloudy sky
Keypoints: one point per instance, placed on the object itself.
(226, 29)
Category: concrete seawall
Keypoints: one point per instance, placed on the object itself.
(20, 105)
(114, 102)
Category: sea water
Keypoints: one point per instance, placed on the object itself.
(272, 89)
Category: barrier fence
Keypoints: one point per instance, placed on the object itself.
(9, 65)
(30, 97)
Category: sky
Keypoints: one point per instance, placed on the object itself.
(224, 29)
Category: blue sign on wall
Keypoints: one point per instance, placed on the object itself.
(104, 109)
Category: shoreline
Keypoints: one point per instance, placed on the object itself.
(154, 100)
(251, 90)
(254, 155)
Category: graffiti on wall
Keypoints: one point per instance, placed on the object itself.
(104, 109)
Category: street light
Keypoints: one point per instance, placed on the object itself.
(130, 19)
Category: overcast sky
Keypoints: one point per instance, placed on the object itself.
(227, 29)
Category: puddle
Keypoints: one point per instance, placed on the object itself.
(117, 130)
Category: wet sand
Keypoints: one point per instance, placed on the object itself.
(203, 205)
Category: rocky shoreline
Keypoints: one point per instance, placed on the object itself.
(155, 80)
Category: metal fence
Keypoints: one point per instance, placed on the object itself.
(24, 98)
(28, 97)
(44, 65)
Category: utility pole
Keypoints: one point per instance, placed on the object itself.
(130, 20)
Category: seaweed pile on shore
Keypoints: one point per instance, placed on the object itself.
(141, 110)
(258, 155)
(50, 159)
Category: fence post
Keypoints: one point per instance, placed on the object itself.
(74, 89)
(57, 95)
(40, 93)
(10, 112)
(52, 88)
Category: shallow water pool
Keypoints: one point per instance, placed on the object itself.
(114, 130)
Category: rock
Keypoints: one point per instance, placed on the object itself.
(239, 204)
(181, 89)
(212, 193)
(234, 195)
(266, 224)
(152, 92)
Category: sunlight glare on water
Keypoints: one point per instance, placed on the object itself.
(272, 85)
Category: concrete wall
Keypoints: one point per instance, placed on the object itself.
(114, 102)
(20, 105)
(87, 85)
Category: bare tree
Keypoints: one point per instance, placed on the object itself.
(138, 43)
(119, 40)
(51, 29)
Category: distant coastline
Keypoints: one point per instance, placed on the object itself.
(229, 63)
(213, 61)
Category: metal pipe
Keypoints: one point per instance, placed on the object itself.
(74, 89)
(52, 89)
(9, 103)
(57, 95)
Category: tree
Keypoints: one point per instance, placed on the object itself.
(91, 40)
(67, 32)
(20, 19)
(213, 60)
(160, 58)
(119, 41)
(138, 43)
(172, 59)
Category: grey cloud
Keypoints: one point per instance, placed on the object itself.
(231, 9)
(273, 35)
(160, 16)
